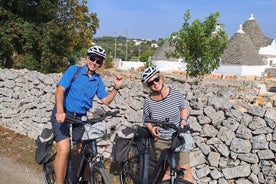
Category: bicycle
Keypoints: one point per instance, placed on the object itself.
(137, 168)
(88, 155)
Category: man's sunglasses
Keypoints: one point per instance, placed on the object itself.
(157, 79)
(98, 61)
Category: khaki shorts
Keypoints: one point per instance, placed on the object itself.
(182, 157)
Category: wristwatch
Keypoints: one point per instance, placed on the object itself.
(117, 89)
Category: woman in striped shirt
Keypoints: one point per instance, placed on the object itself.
(165, 103)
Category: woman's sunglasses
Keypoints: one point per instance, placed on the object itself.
(157, 79)
(98, 61)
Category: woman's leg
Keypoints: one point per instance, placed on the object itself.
(184, 162)
(159, 145)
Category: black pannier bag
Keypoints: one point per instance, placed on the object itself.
(43, 146)
(124, 145)
(129, 142)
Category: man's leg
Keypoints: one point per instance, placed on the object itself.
(63, 149)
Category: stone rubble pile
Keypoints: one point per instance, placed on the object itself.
(235, 138)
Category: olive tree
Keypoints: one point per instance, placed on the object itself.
(201, 44)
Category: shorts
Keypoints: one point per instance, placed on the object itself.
(62, 130)
(183, 158)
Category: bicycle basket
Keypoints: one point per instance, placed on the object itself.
(94, 131)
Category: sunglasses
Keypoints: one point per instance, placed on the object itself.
(157, 79)
(98, 61)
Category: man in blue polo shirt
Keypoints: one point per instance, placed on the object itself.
(76, 98)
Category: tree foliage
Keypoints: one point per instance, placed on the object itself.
(135, 52)
(200, 43)
(42, 35)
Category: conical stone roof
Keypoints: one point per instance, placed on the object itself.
(255, 33)
(241, 50)
(160, 53)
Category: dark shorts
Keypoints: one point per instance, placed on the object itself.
(62, 130)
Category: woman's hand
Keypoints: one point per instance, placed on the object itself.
(154, 131)
(183, 123)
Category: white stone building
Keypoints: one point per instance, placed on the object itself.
(248, 52)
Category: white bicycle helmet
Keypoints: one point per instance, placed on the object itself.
(148, 73)
(96, 50)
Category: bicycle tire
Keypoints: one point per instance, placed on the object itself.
(177, 181)
(49, 171)
(130, 170)
(98, 175)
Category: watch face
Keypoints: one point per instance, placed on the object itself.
(84, 118)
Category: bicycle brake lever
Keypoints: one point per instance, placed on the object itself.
(186, 128)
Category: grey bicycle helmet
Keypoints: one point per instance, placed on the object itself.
(148, 73)
(97, 50)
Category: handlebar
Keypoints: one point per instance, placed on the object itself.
(84, 119)
(166, 125)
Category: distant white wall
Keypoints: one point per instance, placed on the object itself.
(229, 70)
(129, 65)
(163, 65)
(170, 66)
(241, 70)
(224, 69)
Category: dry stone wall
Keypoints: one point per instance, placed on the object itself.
(235, 138)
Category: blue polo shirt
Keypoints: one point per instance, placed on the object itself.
(79, 98)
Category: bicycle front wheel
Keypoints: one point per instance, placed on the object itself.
(49, 171)
(129, 171)
(98, 175)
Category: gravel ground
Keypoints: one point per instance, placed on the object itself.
(12, 173)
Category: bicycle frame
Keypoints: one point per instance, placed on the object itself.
(88, 156)
(84, 159)
(166, 159)
(145, 162)
(160, 165)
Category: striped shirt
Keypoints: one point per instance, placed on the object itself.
(168, 108)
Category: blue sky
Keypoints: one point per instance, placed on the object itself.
(153, 19)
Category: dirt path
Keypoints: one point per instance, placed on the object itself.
(13, 173)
